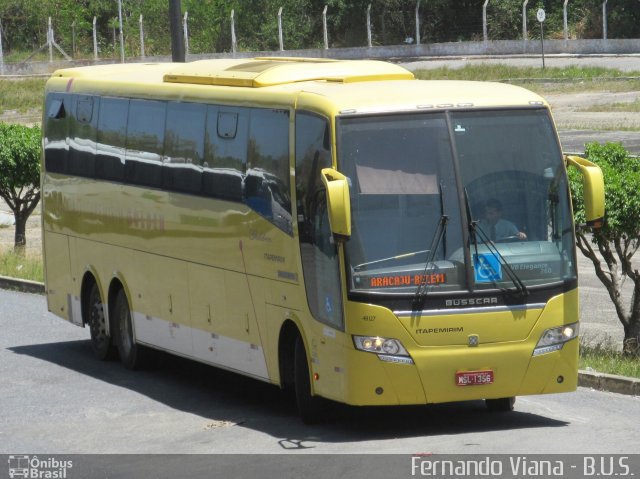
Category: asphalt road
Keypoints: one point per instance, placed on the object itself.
(573, 141)
(56, 399)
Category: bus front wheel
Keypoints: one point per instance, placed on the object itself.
(310, 408)
(100, 341)
(131, 354)
(501, 404)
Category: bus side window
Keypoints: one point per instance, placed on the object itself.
(267, 184)
(145, 142)
(56, 132)
(225, 155)
(318, 252)
(184, 147)
(82, 136)
(112, 129)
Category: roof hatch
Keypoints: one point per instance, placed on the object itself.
(268, 71)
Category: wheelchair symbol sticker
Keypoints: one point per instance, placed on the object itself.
(487, 268)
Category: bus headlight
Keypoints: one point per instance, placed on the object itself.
(387, 349)
(553, 339)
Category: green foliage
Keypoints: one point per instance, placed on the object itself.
(20, 151)
(19, 159)
(393, 21)
(612, 247)
(622, 195)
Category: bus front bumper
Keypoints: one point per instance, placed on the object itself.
(432, 378)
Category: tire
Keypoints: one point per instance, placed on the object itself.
(101, 342)
(310, 408)
(131, 354)
(501, 404)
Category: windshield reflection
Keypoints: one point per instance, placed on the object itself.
(403, 180)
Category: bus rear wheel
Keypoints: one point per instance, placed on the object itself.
(501, 404)
(131, 354)
(310, 408)
(101, 342)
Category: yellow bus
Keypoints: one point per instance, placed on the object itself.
(334, 227)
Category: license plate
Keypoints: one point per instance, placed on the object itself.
(474, 378)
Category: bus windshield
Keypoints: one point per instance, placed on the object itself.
(456, 201)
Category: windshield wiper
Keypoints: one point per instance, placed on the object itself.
(475, 228)
(435, 243)
(493, 249)
(440, 233)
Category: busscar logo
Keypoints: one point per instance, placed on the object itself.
(33, 467)
(472, 302)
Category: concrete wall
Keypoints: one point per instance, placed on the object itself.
(494, 47)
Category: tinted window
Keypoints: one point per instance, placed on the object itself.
(56, 132)
(82, 136)
(319, 256)
(145, 139)
(184, 147)
(225, 156)
(267, 181)
(112, 128)
(84, 109)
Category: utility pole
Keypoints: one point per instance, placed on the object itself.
(485, 35)
(95, 40)
(280, 37)
(369, 26)
(418, 22)
(177, 38)
(141, 37)
(324, 28)
(604, 20)
(185, 28)
(524, 20)
(1, 54)
(121, 33)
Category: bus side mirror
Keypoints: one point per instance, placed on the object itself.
(338, 203)
(593, 188)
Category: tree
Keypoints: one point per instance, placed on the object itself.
(20, 149)
(612, 247)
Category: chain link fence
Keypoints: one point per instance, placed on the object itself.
(390, 27)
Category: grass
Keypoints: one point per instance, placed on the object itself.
(502, 72)
(21, 95)
(550, 80)
(24, 95)
(27, 266)
(604, 358)
(594, 85)
(591, 126)
(631, 107)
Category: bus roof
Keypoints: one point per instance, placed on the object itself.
(349, 86)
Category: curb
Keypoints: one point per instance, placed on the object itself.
(22, 285)
(589, 379)
(609, 382)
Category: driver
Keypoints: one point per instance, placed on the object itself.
(496, 228)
